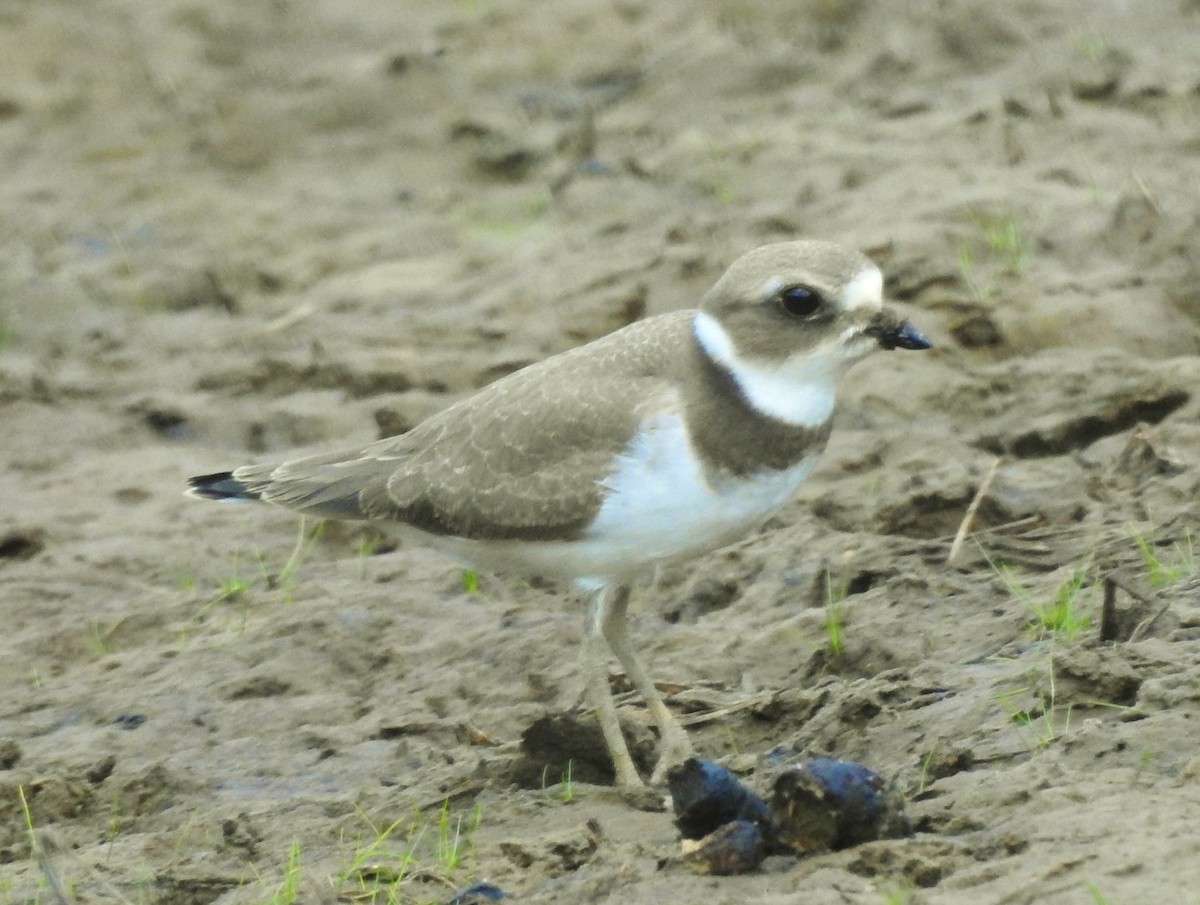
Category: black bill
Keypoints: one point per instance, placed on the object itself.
(904, 336)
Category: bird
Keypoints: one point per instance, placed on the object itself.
(669, 438)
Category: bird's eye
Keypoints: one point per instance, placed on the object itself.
(800, 301)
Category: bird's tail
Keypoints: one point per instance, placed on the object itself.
(220, 486)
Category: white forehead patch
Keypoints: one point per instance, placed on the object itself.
(865, 290)
(770, 288)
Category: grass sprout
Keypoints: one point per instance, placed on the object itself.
(28, 818)
(926, 772)
(470, 580)
(379, 867)
(1002, 233)
(566, 783)
(1040, 721)
(453, 848)
(305, 539)
(1063, 617)
(1006, 248)
(900, 895)
(232, 588)
(407, 850)
(237, 586)
(835, 624)
(1161, 572)
(289, 889)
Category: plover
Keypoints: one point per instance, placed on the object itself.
(666, 439)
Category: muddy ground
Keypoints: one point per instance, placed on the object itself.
(231, 230)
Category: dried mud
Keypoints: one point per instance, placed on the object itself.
(232, 230)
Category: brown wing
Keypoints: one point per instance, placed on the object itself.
(523, 458)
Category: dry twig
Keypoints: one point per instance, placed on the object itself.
(965, 528)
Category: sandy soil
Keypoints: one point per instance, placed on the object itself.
(229, 230)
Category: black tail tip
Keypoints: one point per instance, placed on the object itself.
(221, 485)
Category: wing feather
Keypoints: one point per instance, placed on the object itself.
(524, 458)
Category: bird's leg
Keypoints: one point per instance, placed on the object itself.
(596, 653)
(674, 744)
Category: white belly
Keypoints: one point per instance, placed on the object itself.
(660, 508)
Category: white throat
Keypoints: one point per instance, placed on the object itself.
(800, 391)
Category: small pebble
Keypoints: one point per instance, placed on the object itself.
(477, 894)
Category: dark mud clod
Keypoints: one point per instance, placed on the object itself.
(477, 894)
(735, 848)
(10, 754)
(170, 423)
(831, 804)
(22, 544)
(706, 796)
(101, 770)
(559, 745)
(817, 805)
